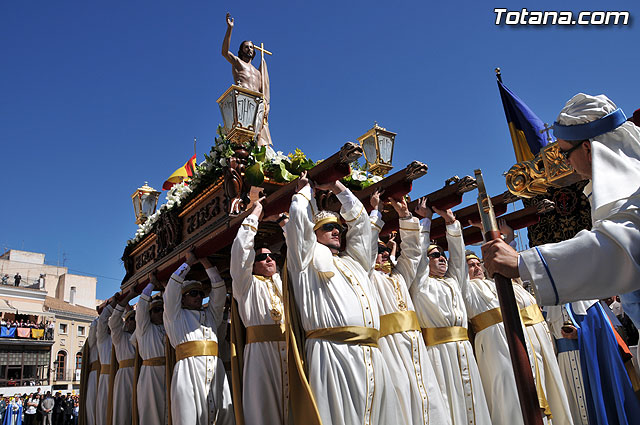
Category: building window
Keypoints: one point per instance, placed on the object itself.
(80, 330)
(61, 363)
(63, 328)
(79, 360)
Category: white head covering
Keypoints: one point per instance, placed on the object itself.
(615, 155)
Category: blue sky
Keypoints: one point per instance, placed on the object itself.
(98, 97)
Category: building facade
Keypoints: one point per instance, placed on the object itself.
(45, 313)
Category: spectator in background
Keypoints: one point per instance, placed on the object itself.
(58, 409)
(5, 281)
(31, 407)
(3, 407)
(17, 278)
(46, 407)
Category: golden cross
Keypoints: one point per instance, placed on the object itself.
(262, 49)
(546, 130)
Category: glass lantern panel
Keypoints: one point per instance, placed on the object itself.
(149, 203)
(247, 108)
(227, 109)
(136, 204)
(386, 148)
(369, 147)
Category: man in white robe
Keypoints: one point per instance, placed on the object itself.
(200, 391)
(603, 147)
(103, 342)
(569, 359)
(492, 351)
(257, 289)
(349, 379)
(443, 318)
(92, 381)
(122, 324)
(150, 337)
(401, 340)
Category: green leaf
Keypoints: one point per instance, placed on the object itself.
(254, 174)
(259, 153)
(282, 175)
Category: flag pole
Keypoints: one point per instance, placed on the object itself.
(194, 148)
(514, 332)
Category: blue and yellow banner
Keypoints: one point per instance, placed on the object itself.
(525, 126)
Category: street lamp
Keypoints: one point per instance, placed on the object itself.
(377, 145)
(144, 199)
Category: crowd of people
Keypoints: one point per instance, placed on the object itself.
(353, 330)
(39, 409)
(26, 329)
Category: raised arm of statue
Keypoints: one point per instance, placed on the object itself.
(233, 59)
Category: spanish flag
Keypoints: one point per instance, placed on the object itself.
(181, 173)
(525, 127)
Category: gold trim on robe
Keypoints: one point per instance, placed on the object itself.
(400, 321)
(196, 348)
(264, 333)
(483, 320)
(435, 336)
(531, 315)
(357, 335)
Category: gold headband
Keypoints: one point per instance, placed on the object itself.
(472, 256)
(330, 219)
(188, 285)
(128, 314)
(432, 246)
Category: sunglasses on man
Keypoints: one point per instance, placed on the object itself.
(568, 152)
(158, 309)
(195, 293)
(329, 227)
(437, 254)
(263, 256)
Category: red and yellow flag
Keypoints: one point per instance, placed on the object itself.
(181, 173)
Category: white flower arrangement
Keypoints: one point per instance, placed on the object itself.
(175, 195)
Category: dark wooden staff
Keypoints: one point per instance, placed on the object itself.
(511, 318)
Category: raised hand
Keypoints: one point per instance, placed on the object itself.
(191, 258)
(422, 209)
(448, 216)
(374, 200)
(229, 20)
(257, 207)
(401, 207)
(506, 230)
(303, 180)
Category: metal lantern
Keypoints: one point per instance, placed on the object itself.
(145, 200)
(377, 145)
(242, 112)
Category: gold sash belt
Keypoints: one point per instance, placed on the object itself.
(105, 369)
(358, 335)
(264, 333)
(483, 320)
(126, 363)
(95, 366)
(435, 336)
(196, 348)
(400, 321)
(531, 315)
(154, 361)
